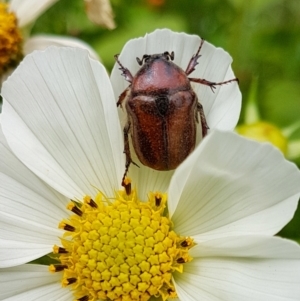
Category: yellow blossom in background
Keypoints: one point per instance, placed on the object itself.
(264, 131)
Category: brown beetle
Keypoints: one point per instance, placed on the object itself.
(162, 110)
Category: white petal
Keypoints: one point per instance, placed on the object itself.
(147, 179)
(29, 212)
(254, 246)
(31, 282)
(222, 108)
(28, 11)
(232, 186)
(258, 274)
(60, 119)
(41, 42)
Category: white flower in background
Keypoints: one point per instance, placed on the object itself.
(215, 241)
(15, 16)
(27, 11)
(100, 12)
(221, 107)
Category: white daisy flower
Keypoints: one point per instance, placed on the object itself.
(209, 238)
(221, 107)
(15, 16)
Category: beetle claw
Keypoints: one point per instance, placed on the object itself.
(135, 164)
(212, 87)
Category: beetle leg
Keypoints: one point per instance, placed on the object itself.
(194, 60)
(202, 118)
(212, 85)
(125, 72)
(123, 96)
(127, 152)
(126, 149)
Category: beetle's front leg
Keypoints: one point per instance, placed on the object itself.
(212, 85)
(194, 60)
(125, 72)
(127, 152)
(204, 125)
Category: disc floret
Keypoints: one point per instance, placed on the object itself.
(10, 40)
(121, 250)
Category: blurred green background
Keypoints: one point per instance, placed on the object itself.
(262, 36)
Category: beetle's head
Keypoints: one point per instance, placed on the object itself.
(146, 57)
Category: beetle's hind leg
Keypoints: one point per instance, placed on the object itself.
(212, 85)
(204, 125)
(127, 154)
(125, 72)
(194, 60)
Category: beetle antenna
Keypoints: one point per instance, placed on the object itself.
(140, 61)
(172, 55)
(144, 59)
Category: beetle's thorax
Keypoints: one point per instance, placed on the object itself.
(159, 74)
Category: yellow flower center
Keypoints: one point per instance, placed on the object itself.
(10, 40)
(264, 132)
(121, 249)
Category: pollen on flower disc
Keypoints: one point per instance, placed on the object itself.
(121, 249)
(10, 40)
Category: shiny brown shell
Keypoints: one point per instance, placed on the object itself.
(161, 108)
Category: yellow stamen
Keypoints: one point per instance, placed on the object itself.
(84, 298)
(126, 183)
(10, 40)
(72, 207)
(121, 250)
(57, 268)
(88, 200)
(65, 226)
(59, 250)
